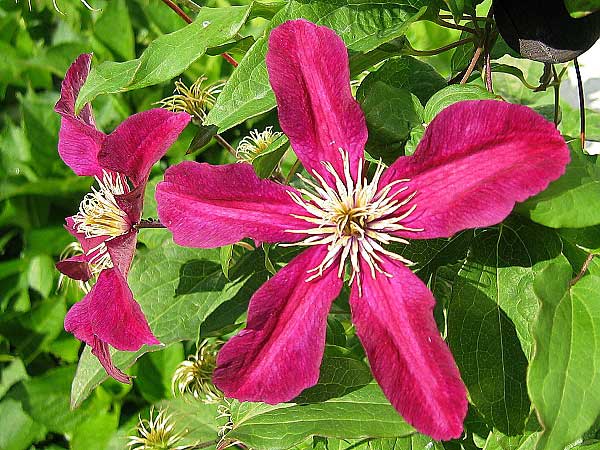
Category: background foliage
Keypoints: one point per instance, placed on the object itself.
(525, 336)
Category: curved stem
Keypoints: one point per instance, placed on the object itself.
(414, 52)
(472, 64)
(148, 223)
(581, 104)
(454, 26)
(225, 144)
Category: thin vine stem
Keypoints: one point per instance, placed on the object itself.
(224, 144)
(472, 64)
(581, 104)
(454, 26)
(584, 268)
(414, 52)
(149, 223)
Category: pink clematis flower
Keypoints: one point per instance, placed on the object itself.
(108, 315)
(476, 159)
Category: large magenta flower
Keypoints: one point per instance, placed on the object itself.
(105, 223)
(475, 161)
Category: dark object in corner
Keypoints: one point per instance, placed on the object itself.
(543, 30)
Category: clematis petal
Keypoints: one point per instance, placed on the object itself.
(140, 141)
(210, 206)
(408, 358)
(476, 160)
(87, 244)
(78, 322)
(71, 85)
(122, 250)
(279, 352)
(79, 145)
(75, 267)
(78, 141)
(115, 317)
(101, 351)
(308, 70)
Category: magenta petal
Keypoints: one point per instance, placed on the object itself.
(279, 352)
(77, 321)
(140, 141)
(122, 250)
(71, 85)
(476, 160)
(115, 317)
(87, 244)
(408, 358)
(101, 351)
(79, 145)
(75, 268)
(79, 141)
(210, 206)
(308, 70)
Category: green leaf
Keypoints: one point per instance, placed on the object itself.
(572, 201)
(155, 371)
(460, 7)
(453, 94)
(46, 400)
(266, 161)
(406, 72)
(362, 413)
(113, 29)
(177, 288)
(40, 274)
(362, 25)
(339, 375)
(391, 114)
(167, 56)
(563, 377)
(95, 432)
(489, 315)
(18, 430)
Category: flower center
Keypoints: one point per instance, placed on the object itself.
(101, 216)
(354, 219)
(99, 213)
(256, 143)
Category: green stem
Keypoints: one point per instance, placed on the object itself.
(414, 52)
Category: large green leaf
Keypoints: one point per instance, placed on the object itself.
(362, 25)
(563, 377)
(46, 399)
(167, 56)
(361, 413)
(113, 28)
(489, 314)
(177, 288)
(453, 94)
(418, 77)
(572, 201)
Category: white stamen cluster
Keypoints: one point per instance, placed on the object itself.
(354, 219)
(157, 433)
(256, 143)
(100, 215)
(196, 100)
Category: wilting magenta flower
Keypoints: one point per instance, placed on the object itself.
(474, 162)
(105, 223)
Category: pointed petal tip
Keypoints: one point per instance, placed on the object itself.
(71, 85)
(101, 351)
(408, 358)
